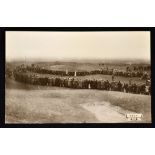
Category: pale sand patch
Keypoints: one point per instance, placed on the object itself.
(106, 113)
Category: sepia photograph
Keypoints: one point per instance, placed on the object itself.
(77, 77)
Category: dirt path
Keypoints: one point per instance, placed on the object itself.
(106, 113)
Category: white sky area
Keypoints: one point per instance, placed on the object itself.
(59, 45)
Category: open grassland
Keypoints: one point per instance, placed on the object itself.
(136, 80)
(72, 66)
(79, 65)
(41, 104)
(82, 66)
(32, 104)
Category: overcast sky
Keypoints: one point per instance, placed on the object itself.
(77, 45)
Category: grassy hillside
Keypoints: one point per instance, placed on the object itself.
(51, 104)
